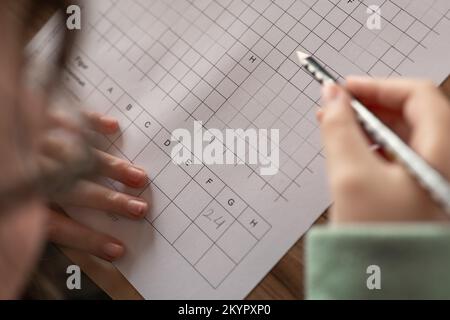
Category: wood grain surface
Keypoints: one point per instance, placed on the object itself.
(285, 281)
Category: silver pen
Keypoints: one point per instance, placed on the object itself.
(428, 177)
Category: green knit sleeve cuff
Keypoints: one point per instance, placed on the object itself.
(377, 261)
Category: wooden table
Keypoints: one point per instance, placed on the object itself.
(285, 281)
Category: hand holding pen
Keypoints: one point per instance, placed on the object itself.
(367, 187)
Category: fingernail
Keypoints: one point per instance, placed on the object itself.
(110, 122)
(108, 119)
(137, 207)
(113, 250)
(319, 115)
(136, 175)
(329, 92)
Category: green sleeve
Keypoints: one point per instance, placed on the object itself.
(413, 261)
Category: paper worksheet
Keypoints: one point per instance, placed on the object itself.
(214, 231)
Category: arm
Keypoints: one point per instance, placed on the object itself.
(402, 261)
(381, 216)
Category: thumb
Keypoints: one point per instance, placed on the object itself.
(345, 144)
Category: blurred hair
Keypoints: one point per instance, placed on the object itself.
(31, 15)
(36, 11)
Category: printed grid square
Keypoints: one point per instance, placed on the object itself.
(323, 7)
(288, 69)
(236, 7)
(214, 76)
(351, 50)
(279, 181)
(287, 45)
(252, 109)
(284, 4)
(226, 112)
(111, 90)
(171, 223)
(236, 242)
(185, 199)
(338, 40)
(299, 32)
(193, 244)
(237, 51)
(312, 42)
(202, 113)
(350, 26)
(178, 93)
(418, 29)
(378, 47)
(225, 64)
(238, 74)
(97, 102)
(336, 16)
(389, 10)
(214, 53)
(249, 15)
(298, 9)
(250, 61)
(304, 127)
(286, 22)
(273, 13)
(262, 48)
(152, 159)
(202, 90)
(254, 223)
(403, 20)
(364, 37)
(225, 20)
(291, 142)
(231, 202)
(226, 87)
(209, 181)
(405, 45)
(172, 180)
(215, 100)
(310, 19)
(215, 266)
(390, 34)
(261, 25)
(275, 58)
(251, 85)
(274, 35)
(140, 140)
(214, 220)
(304, 154)
(392, 58)
(260, 6)
(324, 29)
(237, 29)
(365, 61)
(380, 69)
(145, 63)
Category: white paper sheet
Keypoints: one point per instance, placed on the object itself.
(159, 65)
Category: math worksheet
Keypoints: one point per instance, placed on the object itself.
(214, 231)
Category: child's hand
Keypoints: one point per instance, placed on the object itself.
(364, 185)
(68, 232)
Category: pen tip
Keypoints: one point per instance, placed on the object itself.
(302, 56)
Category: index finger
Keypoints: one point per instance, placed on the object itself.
(387, 93)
